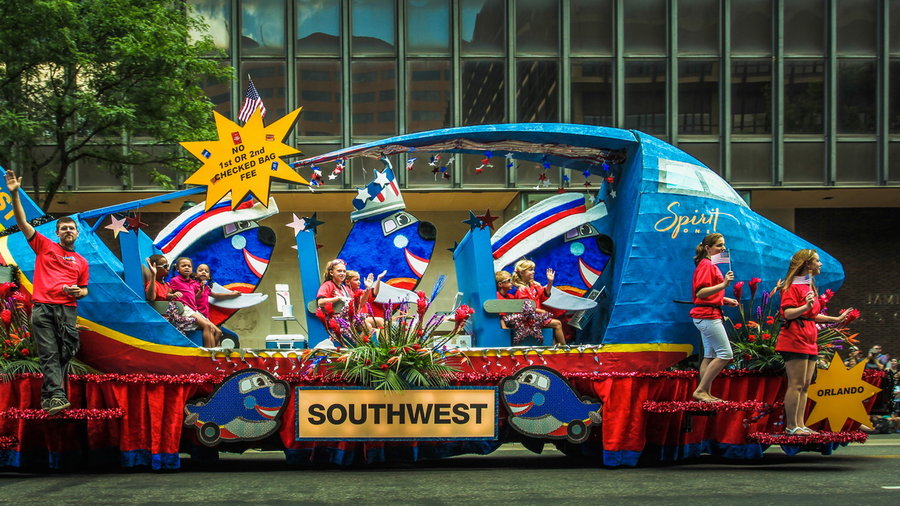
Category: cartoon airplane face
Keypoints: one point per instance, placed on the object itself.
(542, 404)
(245, 407)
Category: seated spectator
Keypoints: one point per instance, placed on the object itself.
(183, 317)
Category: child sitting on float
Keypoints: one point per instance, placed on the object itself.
(186, 317)
(528, 288)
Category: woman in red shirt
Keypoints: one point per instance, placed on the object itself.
(708, 288)
(797, 340)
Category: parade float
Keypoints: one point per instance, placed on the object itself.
(617, 395)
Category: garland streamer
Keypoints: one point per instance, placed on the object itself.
(682, 406)
(69, 414)
(856, 436)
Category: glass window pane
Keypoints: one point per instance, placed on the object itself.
(856, 32)
(483, 92)
(804, 162)
(706, 152)
(645, 96)
(592, 27)
(751, 162)
(428, 95)
(537, 95)
(428, 26)
(94, 173)
(308, 151)
(483, 27)
(645, 27)
(270, 81)
(592, 92)
(857, 162)
(751, 96)
(373, 86)
(804, 91)
(319, 92)
(140, 174)
(894, 97)
(217, 16)
(895, 21)
(480, 170)
(894, 168)
(751, 27)
(262, 27)
(804, 27)
(318, 28)
(374, 25)
(698, 27)
(537, 27)
(856, 89)
(698, 97)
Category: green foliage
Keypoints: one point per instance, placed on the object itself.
(79, 80)
(405, 353)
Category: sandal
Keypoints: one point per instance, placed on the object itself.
(809, 431)
(796, 431)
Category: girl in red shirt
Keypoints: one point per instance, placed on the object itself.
(528, 288)
(708, 288)
(797, 340)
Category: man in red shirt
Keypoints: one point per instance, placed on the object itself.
(60, 279)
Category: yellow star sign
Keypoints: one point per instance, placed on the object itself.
(839, 394)
(244, 159)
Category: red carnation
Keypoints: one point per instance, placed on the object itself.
(6, 316)
(751, 338)
(384, 366)
(767, 336)
(738, 326)
(770, 320)
(25, 352)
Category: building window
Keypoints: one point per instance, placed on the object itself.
(428, 99)
(270, 80)
(428, 27)
(856, 31)
(804, 163)
(537, 94)
(374, 25)
(592, 92)
(217, 16)
(698, 27)
(751, 163)
(804, 96)
(751, 27)
(645, 27)
(698, 97)
(371, 115)
(751, 97)
(591, 30)
(262, 27)
(318, 28)
(483, 92)
(856, 89)
(537, 27)
(645, 96)
(483, 27)
(857, 162)
(804, 27)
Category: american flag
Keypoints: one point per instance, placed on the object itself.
(251, 102)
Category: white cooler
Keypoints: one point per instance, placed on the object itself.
(285, 341)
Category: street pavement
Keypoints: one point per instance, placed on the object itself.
(857, 474)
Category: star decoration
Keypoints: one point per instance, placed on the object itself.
(117, 225)
(473, 221)
(612, 194)
(487, 220)
(839, 394)
(452, 249)
(312, 222)
(135, 223)
(242, 161)
(363, 194)
(298, 224)
(381, 178)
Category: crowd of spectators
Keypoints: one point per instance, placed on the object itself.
(885, 414)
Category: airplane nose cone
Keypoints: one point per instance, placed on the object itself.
(427, 231)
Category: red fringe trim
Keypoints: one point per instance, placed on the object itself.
(69, 414)
(856, 436)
